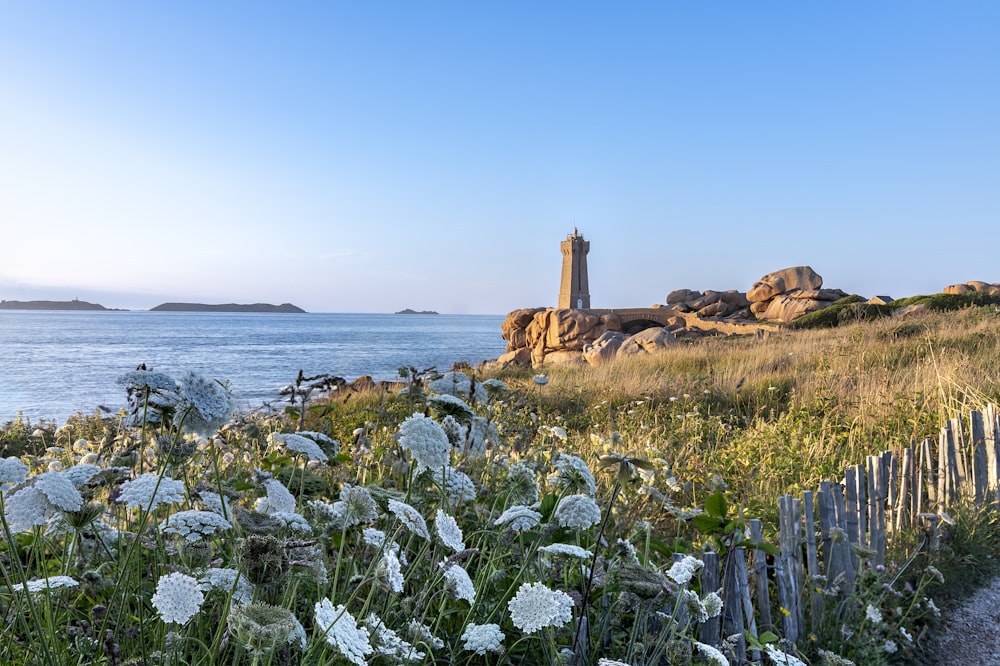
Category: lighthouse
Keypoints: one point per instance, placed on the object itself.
(574, 290)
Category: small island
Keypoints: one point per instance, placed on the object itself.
(284, 308)
(75, 304)
(409, 311)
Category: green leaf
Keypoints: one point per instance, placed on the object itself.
(707, 524)
(661, 547)
(769, 637)
(715, 505)
(342, 457)
(643, 464)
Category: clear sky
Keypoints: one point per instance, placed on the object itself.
(371, 156)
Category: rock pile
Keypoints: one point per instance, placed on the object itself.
(548, 335)
(786, 295)
(709, 304)
(974, 286)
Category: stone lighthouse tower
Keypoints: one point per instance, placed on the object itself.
(574, 290)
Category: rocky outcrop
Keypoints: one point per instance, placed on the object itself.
(710, 304)
(786, 295)
(540, 335)
(974, 286)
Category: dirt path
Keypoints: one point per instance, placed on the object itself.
(970, 634)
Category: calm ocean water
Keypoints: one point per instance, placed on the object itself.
(54, 364)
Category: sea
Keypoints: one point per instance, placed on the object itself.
(54, 364)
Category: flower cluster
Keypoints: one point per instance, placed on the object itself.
(535, 607)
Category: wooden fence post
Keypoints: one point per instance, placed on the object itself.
(710, 632)
(760, 577)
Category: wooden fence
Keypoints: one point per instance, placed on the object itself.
(821, 533)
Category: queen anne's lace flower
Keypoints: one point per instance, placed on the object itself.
(293, 521)
(150, 491)
(873, 614)
(80, 474)
(712, 654)
(426, 442)
(782, 658)
(155, 381)
(459, 583)
(341, 630)
(278, 499)
(457, 384)
(482, 638)
(682, 571)
(409, 517)
(194, 525)
(227, 580)
(296, 443)
(535, 607)
(421, 633)
(205, 404)
(713, 604)
(358, 505)
(216, 503)
(457, 485)
(262, 627)
(574, 475)
(577, 512)
(177, 598)
(448, 531)
(518, 518)
(59, 490)
(521, 486)
(12, 470)
(26, 508)
(610, 662)
(52, 582)
(388, 643)
(392, 570)
(446, 404)
(569, 550)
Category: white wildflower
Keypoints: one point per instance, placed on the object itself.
(426, 441)
(713, 604)
(555, 431)
(873, 614)
(205, 405)
(566, 549)
(521, 486)
(194, 525)
(782, 658)
(27, 508)
(358, 505)
(58, 490)
(482, 638)
(577, 512)
(216, 503)
(448, 531)
(695, 606)
(455, 431)
(373, 537)
(610, 662)
(535, 607)
(626, 548)
(177, 598)
(409, 517)
(906, 635)
(52, 582)
(541, 380)
(293, 521)
(262, 627)
(574, 475)
(387, 643)
(933, 607)
(341, 630)
(226, 580)
(682, 571)
(392, 570)
(459, 583)
(421, 633)
(55, 466)
(278, 499)
(296, 443)
(457, 384)
(890, 647)
(150, 491)
(154, 381)
(711, 654)
(12, 470)
(936, 573)
(446, 404)
(80, 474)
(519, 518)
(481, 433)
(457, 485)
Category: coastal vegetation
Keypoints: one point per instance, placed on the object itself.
(522, 516)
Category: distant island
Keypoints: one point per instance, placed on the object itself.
(75, 304)
(228, 307)
(409, 311)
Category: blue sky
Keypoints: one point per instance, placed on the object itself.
(371, 156)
